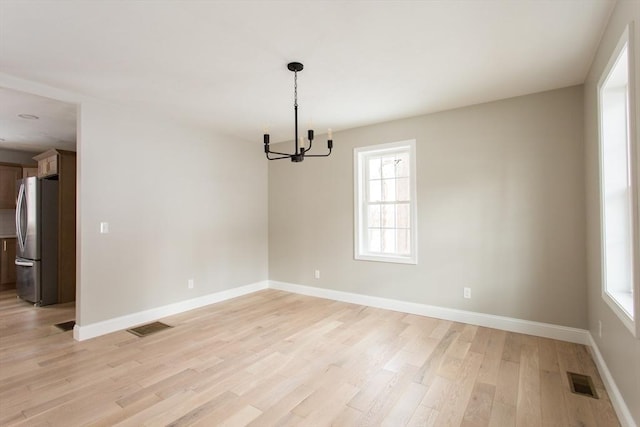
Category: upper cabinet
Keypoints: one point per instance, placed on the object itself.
(28, 171)
(48, 163)
(9, 174)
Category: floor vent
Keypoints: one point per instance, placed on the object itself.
(66, 326)
(582, 384)
(144, 330)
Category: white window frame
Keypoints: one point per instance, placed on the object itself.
(360, 154)
(625, 306)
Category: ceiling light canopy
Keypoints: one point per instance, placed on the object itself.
(300, 150)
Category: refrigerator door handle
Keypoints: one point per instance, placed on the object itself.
(24, 263)
(19, 208)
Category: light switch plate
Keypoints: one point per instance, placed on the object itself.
(104, 227)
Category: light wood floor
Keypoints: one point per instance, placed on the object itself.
(273, 358)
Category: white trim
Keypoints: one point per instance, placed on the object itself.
(564, 333)
(547, 330)
(621, 408)
(621, 307)
(19, 84)
(84, 332)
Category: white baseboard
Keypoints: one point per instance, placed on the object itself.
(621, 408)
(580, 336)
(547, 330)
(81, 333)
(575, 335)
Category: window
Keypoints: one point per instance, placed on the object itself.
(385, 202)
(617, 187)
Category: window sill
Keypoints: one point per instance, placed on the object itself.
(622, 305)
(388, 258)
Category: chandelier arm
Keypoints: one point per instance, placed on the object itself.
(318, 155)
(286, 156)
(282, 154)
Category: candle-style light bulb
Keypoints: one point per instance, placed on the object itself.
(301, 144)
(330, 134)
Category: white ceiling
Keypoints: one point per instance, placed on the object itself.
(55, 126)
(222, 64)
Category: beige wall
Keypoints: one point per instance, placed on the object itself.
(619, 348)
(501, 210)
(15, 156)
(181, 204)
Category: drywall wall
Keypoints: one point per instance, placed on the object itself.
(620, 350)
(180, 206)
(15, 156)
(177, 209)
(500, 206)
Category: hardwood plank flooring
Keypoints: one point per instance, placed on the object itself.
(278, 359)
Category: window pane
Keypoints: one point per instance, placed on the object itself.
(388, 241)
(402, 189)
(402, 216)
(375, 191)
(404, 242)
(374, 240)
(389, 190)
(389, 216)
(389, 167)
(374, 168)
(373, 218)
(402, 165)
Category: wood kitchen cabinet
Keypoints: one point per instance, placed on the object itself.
(8, 175)
(48, 163)
(7, 263)
(28, 171)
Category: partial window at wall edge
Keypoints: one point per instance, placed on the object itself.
(618, 151)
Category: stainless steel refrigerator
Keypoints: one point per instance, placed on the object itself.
(37, 236)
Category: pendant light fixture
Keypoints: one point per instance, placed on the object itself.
(300, 150)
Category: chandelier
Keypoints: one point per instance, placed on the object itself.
(300, 149)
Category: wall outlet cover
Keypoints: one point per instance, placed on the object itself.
(104, 227)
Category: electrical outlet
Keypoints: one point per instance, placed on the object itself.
(317, 274)
(467, 293)
(599, 328)
(190, 283)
